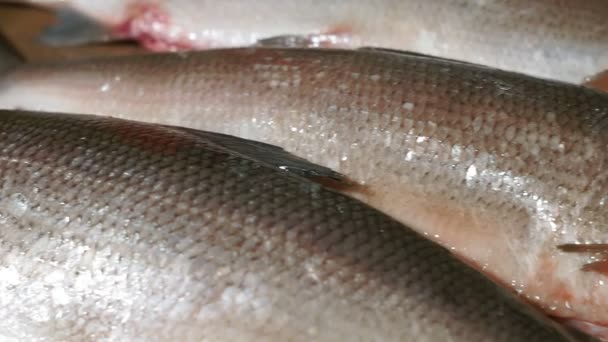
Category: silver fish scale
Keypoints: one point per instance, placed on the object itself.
(113, 230)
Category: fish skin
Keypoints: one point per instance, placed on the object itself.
(118, 230)
(557, 39)
(420, 134)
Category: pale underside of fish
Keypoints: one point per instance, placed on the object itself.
(499, 167)
(121, 231)
(565, 40)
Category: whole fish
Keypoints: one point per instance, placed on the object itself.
(114, 230)
(558, 39)
(499, 167)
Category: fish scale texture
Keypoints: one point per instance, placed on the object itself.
(499, 167)
(114, 230)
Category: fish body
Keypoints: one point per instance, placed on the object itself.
(114, 230)
(501, 168)
(564, 40)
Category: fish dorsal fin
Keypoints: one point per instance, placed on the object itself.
(395, 51)
(418, 54)
(286, 41)
(272, 155)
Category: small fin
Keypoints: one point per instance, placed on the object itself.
(600, 267)
(272, 155)
(337, 38)
(593, 248)
(584, 248)
(9, 56)
(395, 51)
(286, 41)
(73, 28)
(407, 53)
(598, 82)
(344, 185)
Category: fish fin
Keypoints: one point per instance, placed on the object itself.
(285, 41)
(584, 248)
(73, 28)
(345, 185)
(600, 267)
(418, 54)
(9, 56)
(593, 248)
(337, 37)
(395, 51)
(272, 155)
(598, 81)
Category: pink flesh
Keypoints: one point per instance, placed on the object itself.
(151, 25)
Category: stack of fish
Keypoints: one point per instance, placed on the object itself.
(329, 171)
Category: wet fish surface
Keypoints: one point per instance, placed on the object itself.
(499, 167)
(565, 40)
(114, 230)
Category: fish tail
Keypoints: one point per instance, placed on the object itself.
(73, 28)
